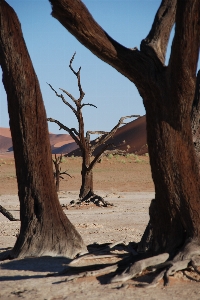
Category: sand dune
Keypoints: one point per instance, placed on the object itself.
(5, 132)
(130, 137)
(60, 143)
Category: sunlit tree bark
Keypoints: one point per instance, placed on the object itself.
(45, 230)
(168, 93)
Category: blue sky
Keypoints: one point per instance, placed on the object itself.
(51, 47)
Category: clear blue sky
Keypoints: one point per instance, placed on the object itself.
(51, 47)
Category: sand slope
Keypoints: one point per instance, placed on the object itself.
(130, 137)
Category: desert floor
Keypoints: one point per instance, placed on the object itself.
(124, 181)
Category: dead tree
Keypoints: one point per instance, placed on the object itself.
(83, 141)
(7, 214)
(58, 174)
(168, 92)
(45, 229)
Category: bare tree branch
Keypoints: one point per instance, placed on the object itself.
(89, 104)
(98, 132)
(106, 137)
(65, 173)
(63, 99)
(70, 65)
(82, 94)
(98, 157)
(7, 214)
(185, 51)
(158, 37)
(69, 95)
(75, 131)
(127, 61)
(70, 131)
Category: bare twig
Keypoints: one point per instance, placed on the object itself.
(157, 40)
(63, 99)
(7, 214)
(70, 131)
(104, 139)
(82, 94)
(88, 104)
(98, 156)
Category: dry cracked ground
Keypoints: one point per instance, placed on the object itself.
(124, 181)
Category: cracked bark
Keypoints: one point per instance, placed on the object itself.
(45, 230)
(168, 93)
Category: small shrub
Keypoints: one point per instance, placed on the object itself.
(123, 161)
(63, 160)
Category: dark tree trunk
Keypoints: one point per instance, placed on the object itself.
(57, 182)
(168, 93)
(195, 119)
(174, 212)
(45, 230)
(86, 189)
(57, 176)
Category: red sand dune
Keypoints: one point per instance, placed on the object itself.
(60, 143)
(5, 132)
(130, 137)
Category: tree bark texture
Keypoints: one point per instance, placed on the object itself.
(45, 230)
(86, 189)
(195, 119)
(168, 93)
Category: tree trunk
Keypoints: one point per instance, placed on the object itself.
(86, 190)
(195, 119)
(173, 213)
(168, 94)
(45, 230)
(57, 176)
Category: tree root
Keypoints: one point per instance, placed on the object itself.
(139, 266)
(100, 258)
(7, 214)
(93, 198)
(119, 257)
(5, 255)
(188, 256)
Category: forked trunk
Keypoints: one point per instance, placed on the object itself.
(45, 230)
(168, 94)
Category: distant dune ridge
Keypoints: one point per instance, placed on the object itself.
(130, 137)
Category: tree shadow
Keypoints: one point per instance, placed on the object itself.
(19, 277)
(37, 264)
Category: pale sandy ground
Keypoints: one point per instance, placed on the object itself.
(125, 221)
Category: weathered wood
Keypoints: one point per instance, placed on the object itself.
(7, 214)
(45, 229)
(168, 94)
(195, 119)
